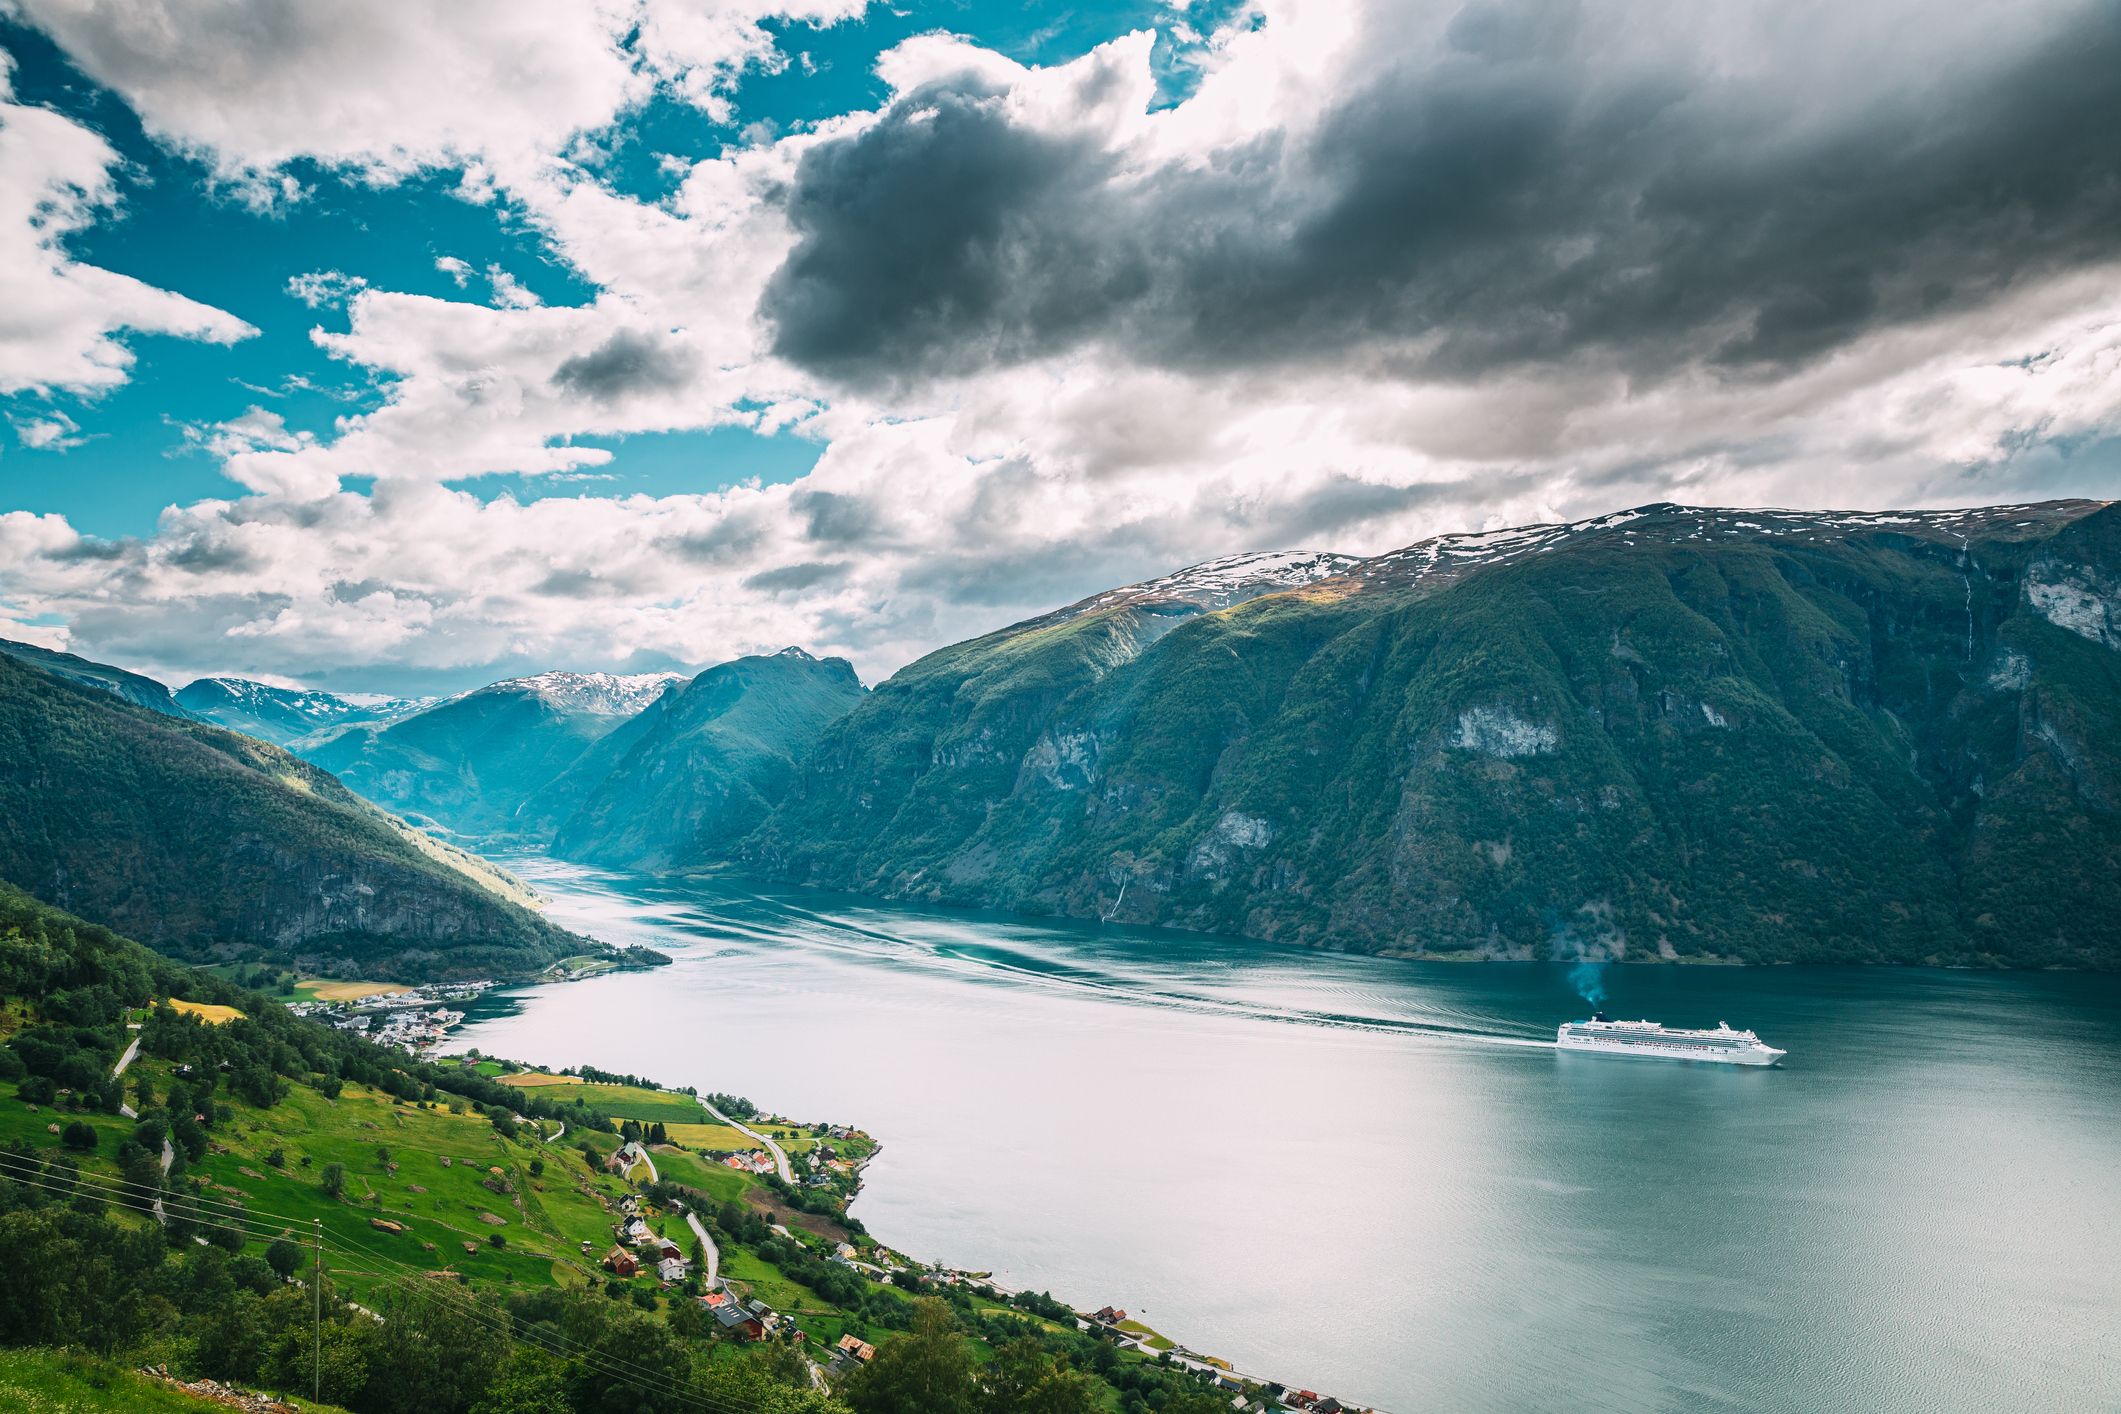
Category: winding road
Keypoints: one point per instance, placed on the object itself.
(714, 1253)
(127, 1059)
(779, 1158)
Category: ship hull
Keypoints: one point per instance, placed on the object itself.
(1651, 1050)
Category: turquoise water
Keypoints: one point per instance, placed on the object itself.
(1370, 1177)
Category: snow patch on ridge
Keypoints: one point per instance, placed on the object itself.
(606, 694)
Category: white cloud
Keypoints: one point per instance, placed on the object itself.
(60, 319)
(946, 506)
(53, 432)
(328, 289)
(388, 90)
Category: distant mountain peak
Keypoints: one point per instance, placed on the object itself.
(791, 651)
(607, 694)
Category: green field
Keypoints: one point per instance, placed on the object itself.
(647, 1106)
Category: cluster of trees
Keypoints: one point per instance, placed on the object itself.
(79, 1279)
(807, 1200)
(932, 1370)
(606, 1077)
(80, 979)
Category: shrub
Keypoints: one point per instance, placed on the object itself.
(334, 1180)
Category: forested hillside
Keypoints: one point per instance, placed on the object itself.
(1671, 733)
(201, 841)
(719, 753)
(505, 764)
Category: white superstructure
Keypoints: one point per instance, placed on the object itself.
(1648, 1039)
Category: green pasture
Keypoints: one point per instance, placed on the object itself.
(70, 1382)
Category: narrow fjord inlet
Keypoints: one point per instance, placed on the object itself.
(1911, 1207)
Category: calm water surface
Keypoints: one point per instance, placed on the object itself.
(1367, 1177)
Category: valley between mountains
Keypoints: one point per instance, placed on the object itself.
(1673, 734)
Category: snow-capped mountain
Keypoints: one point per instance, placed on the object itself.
(281, 714)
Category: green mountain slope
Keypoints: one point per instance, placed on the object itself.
(196, 840)
(1672, 733)
(718, 756)
(504, 764)
(133, 688)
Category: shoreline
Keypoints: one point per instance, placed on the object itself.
(1247, 1389)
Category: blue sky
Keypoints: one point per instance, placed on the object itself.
(177, 233)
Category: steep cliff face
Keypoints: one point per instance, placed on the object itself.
(193, 839)
(717, 756)
(1670, 733)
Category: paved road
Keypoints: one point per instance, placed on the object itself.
(714, 1254)
(779, 1158)
(127, 1059)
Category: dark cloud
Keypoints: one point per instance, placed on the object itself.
(625, 364)
(833, 516)
(804, 576)
(1512, 196)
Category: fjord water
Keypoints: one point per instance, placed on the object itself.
(1370, 1176)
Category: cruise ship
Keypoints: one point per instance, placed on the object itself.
(1646, 1038)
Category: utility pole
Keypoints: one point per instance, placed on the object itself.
(316, 1282)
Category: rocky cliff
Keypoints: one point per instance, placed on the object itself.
(1671, 733)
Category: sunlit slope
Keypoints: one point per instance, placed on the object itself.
(185, 835)
(716, 757)
(1765, 736)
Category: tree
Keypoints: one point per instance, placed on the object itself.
(437, 1352)
(1024, 1379)
(498, 1239)
(1195, 1402)
(334, 1177)
(79, 1135)
(537, 1168)
(533, 1383)
(779, 1362)
(283, 1257)
(928, 1370)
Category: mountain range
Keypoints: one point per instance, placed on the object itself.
(503, 765)
(1672, 733)
(282, 715)
(209, 844)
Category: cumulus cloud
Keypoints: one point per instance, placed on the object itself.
(1519, 181)
(388, 90)
(60, 321)
(1393, 270)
